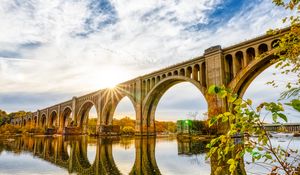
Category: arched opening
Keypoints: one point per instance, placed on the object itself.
(148, 85)
(152, 100)
(259, 84)
(229, 67)
(43, 120)
(181, 72)
(124, 116)
(157, 79)
(145, 85)
(88, 118)
(275, 43)
(262, 48)
(182, 109)
(66, 119)
(182, 101)
(175, 72)
(250, 54)
(169, 74)
(53, 119)
(239, 60)
(189, 72)
(241, 82)
(152, 82)
(164, 76)
(196, 72)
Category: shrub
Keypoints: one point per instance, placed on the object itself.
(128, 130)
(10, 129)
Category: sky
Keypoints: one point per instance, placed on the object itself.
(52, 50)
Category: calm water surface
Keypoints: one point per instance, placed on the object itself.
(87, 155)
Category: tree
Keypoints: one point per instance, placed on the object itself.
(245, 120)
(3, 117)
(288, 51)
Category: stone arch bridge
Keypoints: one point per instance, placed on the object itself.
(234, 66)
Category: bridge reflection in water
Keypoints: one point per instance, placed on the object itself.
(71, 153)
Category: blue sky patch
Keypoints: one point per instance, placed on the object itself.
(98, 8)
(221, 14)
(9, 54)
(30, 45)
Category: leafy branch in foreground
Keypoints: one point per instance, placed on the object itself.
(287, 49)
(244, 122)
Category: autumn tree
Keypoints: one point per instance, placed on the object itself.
(246, 120)
(3, 117)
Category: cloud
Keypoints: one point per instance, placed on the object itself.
(73, 47)
(29, 101)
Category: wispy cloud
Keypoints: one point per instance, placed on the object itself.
(59, 46)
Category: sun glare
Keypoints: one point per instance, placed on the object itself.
(113, 76)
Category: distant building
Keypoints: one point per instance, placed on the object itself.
(191, 127)
(184, 126)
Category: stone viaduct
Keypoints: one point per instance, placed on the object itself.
(235, 67)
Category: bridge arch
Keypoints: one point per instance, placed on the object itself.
(83, 114)
(111, 105)
(66, 113)
(43, 120)
(250, 54)
(245, 77)
(53, 118)
(153, 97)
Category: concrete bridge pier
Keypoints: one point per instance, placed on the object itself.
(215, 76)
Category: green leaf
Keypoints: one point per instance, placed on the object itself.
(222, 93)
(231, 98)
(232, 167)
(213, 150)
(224, 119)
(212, 121)
(214, 141)
(295, 103)
(283, 117)
(260, 148)
(268, 156)
(255, 154)
(231, 161)
(212, 89)
(249, 102)
(274, 117)
(238, 101)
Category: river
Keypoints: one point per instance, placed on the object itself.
(89, 155)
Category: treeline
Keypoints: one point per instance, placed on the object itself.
(6, 117)
(127, 125)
